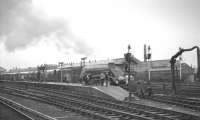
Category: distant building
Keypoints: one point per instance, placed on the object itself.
(160, 70)
(2, 69)
(18, 70)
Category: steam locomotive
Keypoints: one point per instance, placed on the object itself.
(74, 74)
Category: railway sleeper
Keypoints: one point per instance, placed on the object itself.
(121, 108)
(179, 104)
(147, 115)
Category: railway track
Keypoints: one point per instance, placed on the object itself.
(102, 108)
(126, 106)
(177, 100)
(138, 107)
(22, 111)
(66, 106)
(9, 110)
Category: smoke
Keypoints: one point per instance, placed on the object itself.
(21, 25)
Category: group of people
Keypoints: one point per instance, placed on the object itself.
(140, 88)
(102, 79)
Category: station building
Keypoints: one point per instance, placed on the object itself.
(158, 70)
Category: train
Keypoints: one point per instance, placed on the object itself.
(72, 74)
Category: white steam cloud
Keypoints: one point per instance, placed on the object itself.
(21, 25)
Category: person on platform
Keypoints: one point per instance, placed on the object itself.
(102, 79)
(106, 79)
(149, 91)
(140, 89)
(87, 79)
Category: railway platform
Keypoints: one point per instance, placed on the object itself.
(113, 91)
(110, 92)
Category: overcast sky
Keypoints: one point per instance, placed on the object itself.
(34, 32)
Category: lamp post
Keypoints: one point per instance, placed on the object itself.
(42, 68)
(61, 65)
(83, 61)
(82, 73)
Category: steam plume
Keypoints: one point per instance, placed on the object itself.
(21, 25)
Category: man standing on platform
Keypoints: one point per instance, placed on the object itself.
(102, 79)
(106, 78)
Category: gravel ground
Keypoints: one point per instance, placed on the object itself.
(167, 106)
(47, 109)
